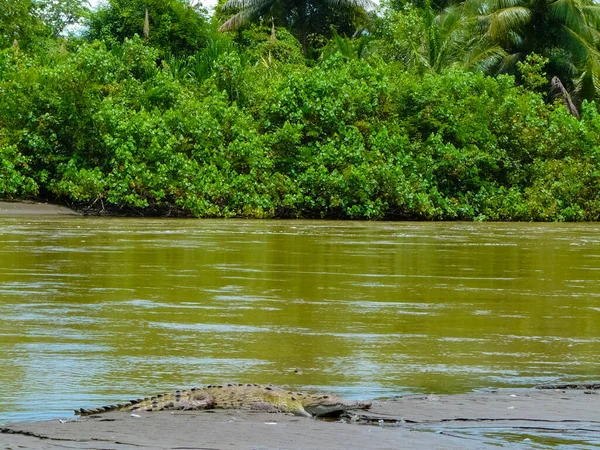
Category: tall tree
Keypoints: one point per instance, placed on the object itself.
(301, 17)
(58, 15)
(174, 26)
(426, 39)
(19, 22)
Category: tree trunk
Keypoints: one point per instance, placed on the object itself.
(303, 26)
(558, 90)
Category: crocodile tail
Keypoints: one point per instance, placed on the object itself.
(104, 409)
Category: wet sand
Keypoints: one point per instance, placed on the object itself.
(33, 208)
(508, 418)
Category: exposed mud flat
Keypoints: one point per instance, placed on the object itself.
(511, 418)
(33, 208)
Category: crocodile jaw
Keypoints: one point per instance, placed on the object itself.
(334, 409)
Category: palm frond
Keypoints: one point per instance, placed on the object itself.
(570, 13)
(587, 85)
(504, 20)
(592, 14)
(452, 37)
(485, 57)
(450, 19)
(245, 4)
(483, 8)
(508, 62)
(505, 4)
(581, 48)
(352, 4)
(240, 19)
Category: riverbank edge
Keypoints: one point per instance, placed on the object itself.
(32, 208)
(18, 207)
(461, 421)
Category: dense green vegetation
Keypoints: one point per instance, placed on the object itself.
(427, 112)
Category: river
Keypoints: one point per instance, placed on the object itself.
(95, 311)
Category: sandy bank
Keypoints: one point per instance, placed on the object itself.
(511, 418)
(33, 208)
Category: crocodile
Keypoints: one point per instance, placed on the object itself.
(238, 396)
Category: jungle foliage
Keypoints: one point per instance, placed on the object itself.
(407, 120)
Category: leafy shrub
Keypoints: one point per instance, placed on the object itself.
(224, 133)
(175, 26)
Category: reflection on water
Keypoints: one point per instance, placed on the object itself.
(93, 311)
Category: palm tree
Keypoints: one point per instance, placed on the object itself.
(564, 31)
(429, 40)
(301, 17)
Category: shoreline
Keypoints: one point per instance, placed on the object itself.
(23, 208)
(516, 418)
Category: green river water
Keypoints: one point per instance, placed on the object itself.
(95, 311)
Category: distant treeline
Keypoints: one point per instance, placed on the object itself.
(417, 115)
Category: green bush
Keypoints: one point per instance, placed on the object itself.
(175, 26)
(227, 133)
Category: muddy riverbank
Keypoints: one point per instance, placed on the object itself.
(521, 418)
(33, 208)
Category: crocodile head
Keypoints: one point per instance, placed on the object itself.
(328, 406)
